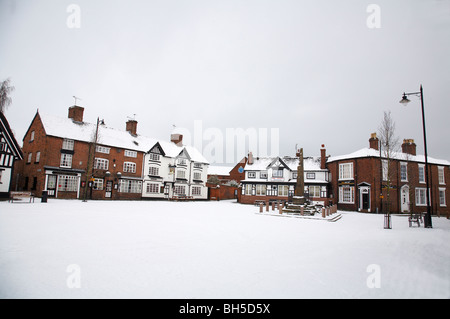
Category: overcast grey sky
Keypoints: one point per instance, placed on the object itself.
(313, 69)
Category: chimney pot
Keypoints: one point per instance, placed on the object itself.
(409, 147)
(373, 141)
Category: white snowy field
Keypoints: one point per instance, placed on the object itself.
(140, 249)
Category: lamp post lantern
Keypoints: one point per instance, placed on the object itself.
(405, 101)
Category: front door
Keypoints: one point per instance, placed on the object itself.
(51, 185)
(405, 199)
(364, 203)
(109, 187)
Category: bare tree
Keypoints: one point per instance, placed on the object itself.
(5, 90)
(389, 148)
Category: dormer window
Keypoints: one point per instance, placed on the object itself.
(277, 172)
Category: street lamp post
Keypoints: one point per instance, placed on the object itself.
(405, 101)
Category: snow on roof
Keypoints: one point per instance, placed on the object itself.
(370, 152)
(85, 132)
(264, 163)
(219, 170)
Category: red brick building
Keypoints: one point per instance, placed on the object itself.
(70, 158)
(359, 180)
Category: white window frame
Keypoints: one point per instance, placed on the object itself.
(283, 190)
(347, 198)
(197, 176)
(130, 186)
(181, 174)
(30, 155)
(32, 136)
(101, 163)
(278, 172)
(153, 171)
(251, 174)
(98, 184)
(196, 190)
(441, 175)
(38, 157)
(421, 169)
(68, 144)
(129, 153)
(179, 190)
(346, 171)
(421, 199)
(67, 183)
(310, 175)
(442, 199)
(152, 188)
(66, 160)
(261, 190)
(405, 166)
(154, 157)
(102, 149)
(248, 189)
(129, 167)
(314, 191)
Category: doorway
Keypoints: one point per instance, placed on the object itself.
(364, 198)
(51, 185)
(405, 200)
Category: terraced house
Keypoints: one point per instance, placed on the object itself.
(359, 180)
(72, 159)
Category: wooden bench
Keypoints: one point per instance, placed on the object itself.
(182, 198)
(415, 218)
(18, 196)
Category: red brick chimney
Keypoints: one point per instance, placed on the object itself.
(76, 113)
(250, 160)
(177, 139)
(323, 157)
(373, 141)
(132, 127)
(409, 147)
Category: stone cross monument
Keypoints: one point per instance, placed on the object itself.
(299, 195)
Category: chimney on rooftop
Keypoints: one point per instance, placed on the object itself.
(373, 141)
(250, 160)
(132, 127)
(76, 113)
(323, 157)
(177, 139)
(409, 147)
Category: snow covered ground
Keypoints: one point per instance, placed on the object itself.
(71, 249)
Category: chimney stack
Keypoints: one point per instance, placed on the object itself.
(373, 141)
(323, 157)
(76, 113)
(132, 127)
(177, 139)
(250, 158)
(409, 147)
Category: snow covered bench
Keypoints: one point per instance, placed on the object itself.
(415, 218)
(15, 196)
